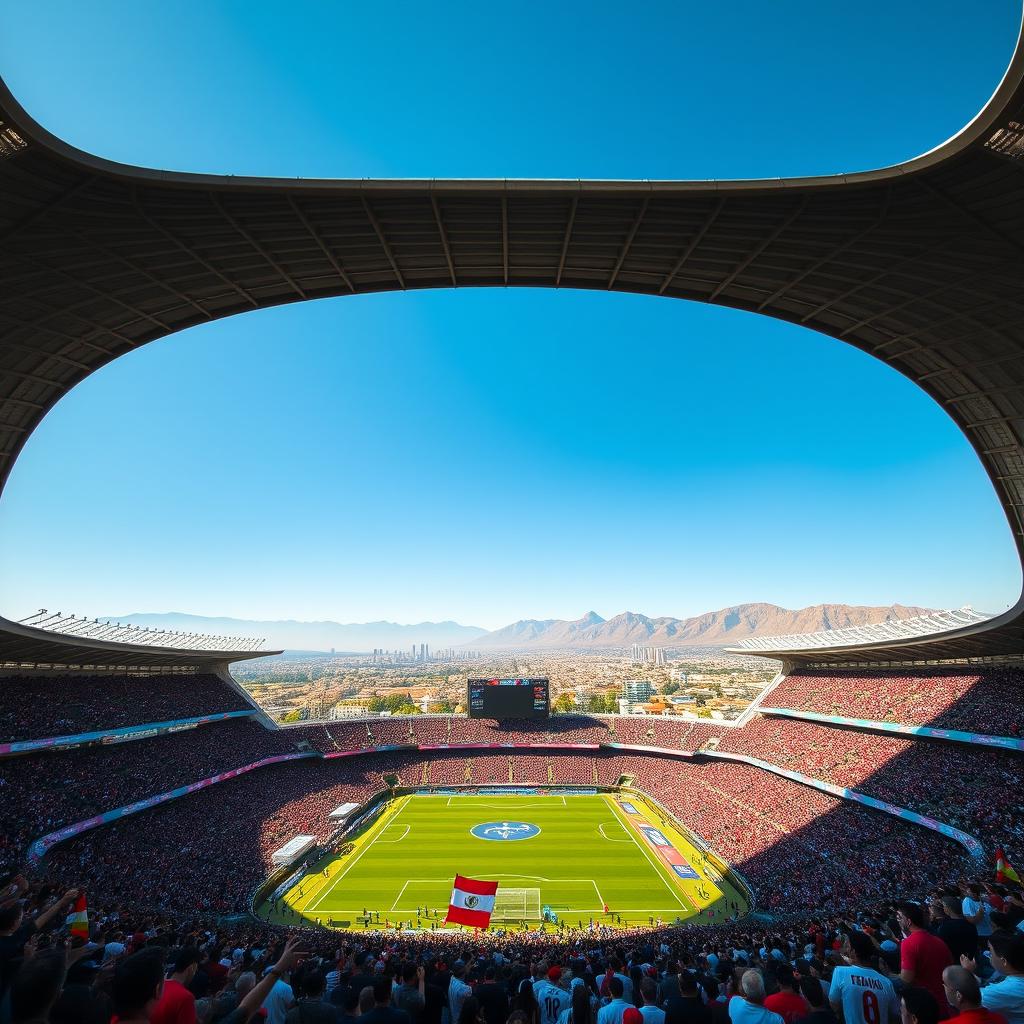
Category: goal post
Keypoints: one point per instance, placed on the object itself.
(516, 904)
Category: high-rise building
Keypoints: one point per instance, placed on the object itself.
(636, 691)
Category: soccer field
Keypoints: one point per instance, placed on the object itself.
(574, 854)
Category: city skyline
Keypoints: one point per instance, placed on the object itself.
(478, 455)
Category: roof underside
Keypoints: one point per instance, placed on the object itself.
(921, 265)
(27, 647)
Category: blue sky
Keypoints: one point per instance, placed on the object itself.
(491, 455)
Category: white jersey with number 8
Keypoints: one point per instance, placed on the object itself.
(865, 996)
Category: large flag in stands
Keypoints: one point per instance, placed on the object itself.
(78, 920)
(1004, 869)
(472, 902)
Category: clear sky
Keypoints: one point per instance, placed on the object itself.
(492, 455)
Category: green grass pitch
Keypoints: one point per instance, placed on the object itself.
(586, 855)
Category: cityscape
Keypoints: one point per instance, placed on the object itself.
(692, 682)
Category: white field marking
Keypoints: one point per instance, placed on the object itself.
(399, 896)
(637, 840)
(481, 802)
(604, 835)
(341, 874)
(600, 898)
(384, 842)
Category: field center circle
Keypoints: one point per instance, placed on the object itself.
(504, 831)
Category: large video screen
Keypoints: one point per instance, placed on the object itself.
(507, 698)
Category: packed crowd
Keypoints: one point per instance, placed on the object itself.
(956, 950)
(36, 707)
(794, 845)
(986, 701)
(436, 730)
(42, 792)
(935, 778)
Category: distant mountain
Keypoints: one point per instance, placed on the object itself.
(314, 636)
(710, 629)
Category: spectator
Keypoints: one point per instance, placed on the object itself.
(923, 956)
(1006, 953)
(615, 1010)
(310, 1007)
(821, 1012)
(787, 1002)
(280, 998)
(458, 991)
(177, 1004)
(859, 993)
(964, 995)
(382, 1011)
(918, 1006)
(649, 1009)
(494, 997)
(138, 985)
(749, 1007)
(410, 995)
(959, 934)
(685, 1005)
(37, 987)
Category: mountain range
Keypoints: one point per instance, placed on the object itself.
(314, 636)
(712, 629)
(591, 632)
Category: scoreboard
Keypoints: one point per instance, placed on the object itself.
(507, 698)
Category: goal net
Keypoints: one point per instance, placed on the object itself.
(516, 905)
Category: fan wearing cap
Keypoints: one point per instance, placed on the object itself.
(552, 999)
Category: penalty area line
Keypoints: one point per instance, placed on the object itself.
(355, 860)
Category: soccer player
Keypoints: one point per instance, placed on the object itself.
(858, 992)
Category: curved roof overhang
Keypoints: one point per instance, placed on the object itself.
(920, 264)
(24, 647)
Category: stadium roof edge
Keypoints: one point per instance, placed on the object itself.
(27, 647)
(920, 264)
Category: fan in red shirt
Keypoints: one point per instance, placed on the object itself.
(923, 956)
(963, 993)
(177, 1004)
(787, 1002)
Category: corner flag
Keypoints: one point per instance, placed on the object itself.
(472, 902)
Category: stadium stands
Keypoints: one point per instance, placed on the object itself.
(984, 701)
(44, 791)
(928, 776)
(38, 706)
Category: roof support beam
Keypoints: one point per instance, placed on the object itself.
(435, 206)
(629, 241)
(315, 235)
(758, 250)
(694, 242)
(566, 240)
(375, 224)
(233, 221)
(504, 237)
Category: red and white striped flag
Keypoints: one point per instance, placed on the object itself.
(78, 920)
(472, 902)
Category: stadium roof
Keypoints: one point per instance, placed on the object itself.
(28, 646)
(144, 636)
(871, 636)
(920, 264)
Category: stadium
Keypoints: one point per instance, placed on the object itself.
(882, 764)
